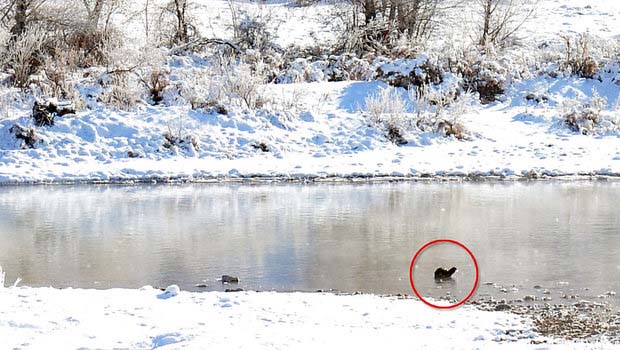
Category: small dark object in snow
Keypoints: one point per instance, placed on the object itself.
(26, 134)
(132, 154)
(201, 285)
(536, 98)
(261, 146)
(395, 136)
(443, 274)
(230, 279)
(45, 112)
(233, 290)
(502, 307)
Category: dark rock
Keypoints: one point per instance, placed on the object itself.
(261, 146)
(502, 307)
(201, 285)
(233, 290)
(230, 279)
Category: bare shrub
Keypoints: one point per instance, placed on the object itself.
(156, 82)
(589, 118)
(176, 26)
(438, 111)
(118, 91)
(199, 87)
(486, 77)
(387, 109)
(378, 26)
(89, 49)
(501, 19)
(180, 140)
(582, 121)
(253, 33)
(434, 111)
(387, 104)
(24, 55)
(578, 59)
(229, 82)
(240, 83)
(408, 73)
(60, 82)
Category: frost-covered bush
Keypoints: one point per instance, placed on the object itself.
(388, 109)
(425, 110)
(348, 67)
(327, 68)
(200, 87)
(486, 77)
(302, 70)
(118, 90)
(438, 111)
(180, 142)
(578, 59)
(591, 117)
(24, 55)
(240, 84)
(410, 72)
(253, 33)
(227, 82)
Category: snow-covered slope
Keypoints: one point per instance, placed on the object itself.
(321, 128)
(330, 138)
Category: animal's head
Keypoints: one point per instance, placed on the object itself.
(452, 270)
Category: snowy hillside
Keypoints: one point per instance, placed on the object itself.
(546, 105)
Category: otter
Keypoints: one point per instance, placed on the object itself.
(443, 274)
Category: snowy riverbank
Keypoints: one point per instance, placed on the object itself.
(47, 318)
(335, 140)
(517, 112)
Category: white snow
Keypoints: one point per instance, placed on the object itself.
(319, 129)
(48, 318)
(323, 135)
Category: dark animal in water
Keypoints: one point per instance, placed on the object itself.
(443, 274)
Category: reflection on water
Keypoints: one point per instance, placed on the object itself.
(560, 236)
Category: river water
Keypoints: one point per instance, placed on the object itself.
(543, 238)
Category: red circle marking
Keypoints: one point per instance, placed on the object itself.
(415, 257)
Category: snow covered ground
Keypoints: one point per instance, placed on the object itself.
(47, 318)
(307, 129)
(321, 129)
(329, 137)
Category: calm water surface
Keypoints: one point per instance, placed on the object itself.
(563, 237)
